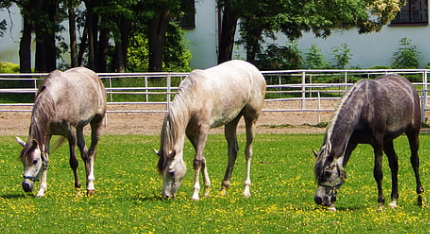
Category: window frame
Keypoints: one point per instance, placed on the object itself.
(410, 22)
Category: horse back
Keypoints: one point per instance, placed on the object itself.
(77, 94)
(225, 90)
(231, 81)
(391, 103)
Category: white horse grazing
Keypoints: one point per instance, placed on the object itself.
(207, 99)
(65, 103)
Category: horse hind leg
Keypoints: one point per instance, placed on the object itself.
(230, 135)
(415, 162)
(73, 160)
(88, 155)
(250, 133)
(394, 167)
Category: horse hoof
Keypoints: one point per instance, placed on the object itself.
(392, 205)
(91, 193)
(421, 201)
(223, 192)
(380, 208)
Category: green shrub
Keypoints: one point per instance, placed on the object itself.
(280, 58)
(314, 59)
(6, 67)
(407, 56)
(342, 55)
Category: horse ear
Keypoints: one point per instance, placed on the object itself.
(315, 153)
(156, 152)
(34, 143)
(21, 142)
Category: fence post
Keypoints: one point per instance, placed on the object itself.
(110, 86)
(146, 88)
(424, 98)
(35, 86)
(168, 80)
(319, 107)
(303, 90)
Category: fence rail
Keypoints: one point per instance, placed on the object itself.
(303, 86)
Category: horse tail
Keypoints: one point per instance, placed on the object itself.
(58, 143)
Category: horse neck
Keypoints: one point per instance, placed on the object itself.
(343, 124)
(173, 131)
(41, 117)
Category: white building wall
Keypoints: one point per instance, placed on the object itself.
(367, 49)
(371, 49)
(9, 43)
(203, 40)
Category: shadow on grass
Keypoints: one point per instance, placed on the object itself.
(13, 196)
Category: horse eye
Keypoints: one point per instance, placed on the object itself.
(35, 161)
(327, 173)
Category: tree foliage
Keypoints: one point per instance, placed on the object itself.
(260, 19)
(105, 28)
(108, 28)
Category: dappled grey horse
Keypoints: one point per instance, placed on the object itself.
(65, 103)
(372, 112)
(207, 99)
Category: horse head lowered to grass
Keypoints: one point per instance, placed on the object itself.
(65, 103)
(207, 99)
(372, 112)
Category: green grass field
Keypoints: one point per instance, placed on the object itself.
(128, 198)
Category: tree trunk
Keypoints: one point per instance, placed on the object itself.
(46, 57)
(253, 44)
(25, 48)
(156, 40)
(103, 51)
(83, 45)
(121, 47)
(92, 31)
(72, 34)
(228, 30)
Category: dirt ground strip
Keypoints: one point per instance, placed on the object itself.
(277, 118)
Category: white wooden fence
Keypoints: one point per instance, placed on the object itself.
(303, 86)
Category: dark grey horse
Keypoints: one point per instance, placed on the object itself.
(372, 112)
(65, 103)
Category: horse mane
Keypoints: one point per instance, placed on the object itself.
(175, 122)
(43, 112)
(335, 128)
(322, 158)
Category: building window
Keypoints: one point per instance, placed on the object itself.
(415, 12)
(188, 20)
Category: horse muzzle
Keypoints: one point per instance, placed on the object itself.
(326, 197)
(27, 185)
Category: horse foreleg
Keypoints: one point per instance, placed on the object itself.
(377, 173)
(199, 141)
(394, 167)
(43, 185)
(415, 161)
(206, 179)
(43, 180)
